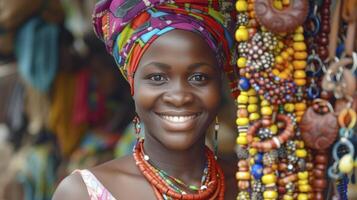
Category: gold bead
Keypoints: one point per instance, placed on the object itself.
(285, 55)
(283, 75)
(242, 121)
(241, 63)
(253, 100)
(303, 175)
(241, 6)
(299, 46)
(303, 182)
(286, 2)
(299, 29)
(269, 179)
(242, 140)
(242, 34)
(243, 176)
(266, 110)
(290, 51)
(278, 5)
(242, 99)
(288, 197)
(289, 107)
(300, 55)
(251, 92)
(299, 74)
(253, 151)
(301, 153)
(274, 129)
(304, 188)
(270, 194)
(279, 60)
(265, 103)
(303, 196)
(254, 116)
(252, 108)
(300, 106)
(298, 37)
(300, 82)
(299, 64)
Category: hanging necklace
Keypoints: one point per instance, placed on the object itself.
(168, 187)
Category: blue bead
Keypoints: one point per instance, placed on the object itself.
(259, 158)
(257, 171)
(244, 84)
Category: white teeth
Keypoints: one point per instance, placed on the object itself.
(178, 119)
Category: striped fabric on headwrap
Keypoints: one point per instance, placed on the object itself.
(129, 27)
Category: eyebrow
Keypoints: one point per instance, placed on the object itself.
(168, 67)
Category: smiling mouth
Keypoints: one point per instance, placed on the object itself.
(178, 118)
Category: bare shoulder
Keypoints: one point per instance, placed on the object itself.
(71, 188)
(123, 172)
(121, 167)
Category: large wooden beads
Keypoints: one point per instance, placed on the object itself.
(281, 21)
(319, 131)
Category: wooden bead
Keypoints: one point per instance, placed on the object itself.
(243, 185)
(319, 173)
(319, 184)
(319, 196)
(320, 167)
(243, 176)
(242, 113)
(321, 159)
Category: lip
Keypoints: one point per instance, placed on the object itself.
(178, 121)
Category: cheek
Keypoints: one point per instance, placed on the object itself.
(144, 99)
(212, 99)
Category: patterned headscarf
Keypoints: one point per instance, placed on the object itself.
(129, 27)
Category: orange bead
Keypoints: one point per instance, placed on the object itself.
(300, 82)
(299, 74)
(299, 64)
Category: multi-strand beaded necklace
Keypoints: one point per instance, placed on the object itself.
(167, 187)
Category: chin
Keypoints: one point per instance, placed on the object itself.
(179, 141)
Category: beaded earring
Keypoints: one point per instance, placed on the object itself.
(137, 127)
(215, 140)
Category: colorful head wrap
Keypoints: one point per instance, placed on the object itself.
(129, 27)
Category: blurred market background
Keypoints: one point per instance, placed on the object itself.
(63, 103)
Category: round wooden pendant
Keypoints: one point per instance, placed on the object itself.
(281, 21)
(319, 131)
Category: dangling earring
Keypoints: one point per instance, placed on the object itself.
(215, 140)
(137, 127)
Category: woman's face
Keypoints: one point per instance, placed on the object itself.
(177, 89)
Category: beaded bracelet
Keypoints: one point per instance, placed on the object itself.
(276, 141)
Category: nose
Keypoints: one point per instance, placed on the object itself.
(178, 95)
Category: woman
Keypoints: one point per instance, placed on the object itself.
(171, 55)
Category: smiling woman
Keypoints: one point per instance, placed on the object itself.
(177, 90)
(173, 55)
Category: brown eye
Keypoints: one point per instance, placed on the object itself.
(198, 78)
(157, 78)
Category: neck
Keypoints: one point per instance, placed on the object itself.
(186, 165)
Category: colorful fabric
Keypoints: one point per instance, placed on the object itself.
(129, 27)
(96, 190)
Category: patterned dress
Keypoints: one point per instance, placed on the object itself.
(96, 190)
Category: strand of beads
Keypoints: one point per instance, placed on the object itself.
(213, 188)
(299, 64)
(243, 174)
(245, 112)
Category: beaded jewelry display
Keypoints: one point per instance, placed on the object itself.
(271, 103)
